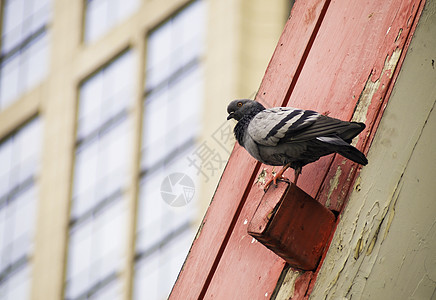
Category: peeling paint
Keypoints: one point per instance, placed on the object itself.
(389, 29)
(391, 207)
(372, 243)
(358, 249)
(287, 286)
(357, 186)
(333, 185)
(262, 177)
(372, 86)
(399, 34)
(392, 211)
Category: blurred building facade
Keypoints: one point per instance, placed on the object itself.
(109, 111)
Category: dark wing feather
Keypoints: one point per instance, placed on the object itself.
(272, 126)
(324, 127)
(286, 125)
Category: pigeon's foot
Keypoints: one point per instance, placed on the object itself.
(278, 176)
(297, 174)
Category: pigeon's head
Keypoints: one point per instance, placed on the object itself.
(239, 108)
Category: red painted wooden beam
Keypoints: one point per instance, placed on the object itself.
(390, 27)
(327, 59)
(231, 194)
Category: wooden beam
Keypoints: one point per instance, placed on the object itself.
(240, 173)
(338, 58)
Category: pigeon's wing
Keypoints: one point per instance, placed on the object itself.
(286, 125)
(279, 124)
(325, 128)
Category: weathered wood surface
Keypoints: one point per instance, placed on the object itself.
(225, 210)
(385, 244)
(337, 58)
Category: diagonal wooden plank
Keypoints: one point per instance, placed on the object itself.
(330, 76)
(238, 177)
(362, 57)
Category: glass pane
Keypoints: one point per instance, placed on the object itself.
(5, 238)
(37, 60)
(155, 126)
(97, 249)
(102, 159)
(101, 168)
(79, 259)
(41, 13)
(6, 163)
(19, 155)
(91, 99)
(173, 105)
(96, 19)
(158, 55)
(21, 223)
(9, 80)
(112, 291)
(85, 179)
(24, 45)
(12, 23)
(156, 218)
(100, 177)
(110, 232)
(23, 70)
(106, 94)
(102, 15)
(17, 286)
(175, 44)
(29, 162)
(167, 205)
(155, 275)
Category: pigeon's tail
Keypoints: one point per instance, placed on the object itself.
(352, 130)
(353, 154)
(345, 149)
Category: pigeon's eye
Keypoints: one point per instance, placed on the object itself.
(239, 104)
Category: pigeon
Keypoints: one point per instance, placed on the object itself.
(291, 137)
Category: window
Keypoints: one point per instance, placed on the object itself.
(98, 210)
(102, 15)
(173, 85)
(171, 126)
(24, 47)
(19, 158)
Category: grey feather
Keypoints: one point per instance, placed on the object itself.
(285, 135)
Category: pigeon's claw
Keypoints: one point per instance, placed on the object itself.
(278, 176)
(297, 174)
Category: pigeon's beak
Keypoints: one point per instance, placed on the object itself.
(230, 116)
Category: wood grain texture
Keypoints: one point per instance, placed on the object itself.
(347, 74)
(226, 209)
(212, 235)
(338, 58)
